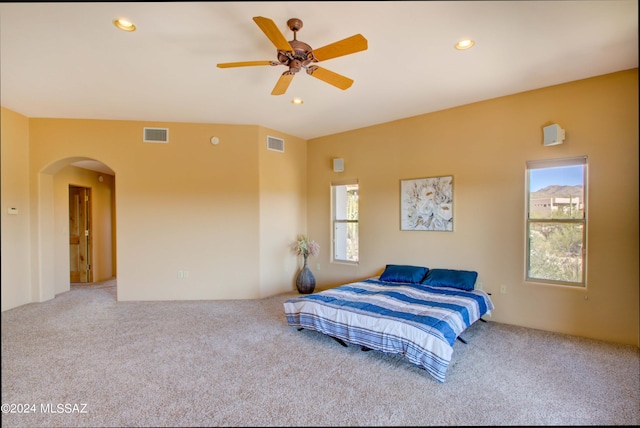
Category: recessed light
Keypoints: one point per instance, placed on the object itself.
(124, 24)
(297, 101)
(464, 44)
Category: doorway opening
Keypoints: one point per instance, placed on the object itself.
(80, 235)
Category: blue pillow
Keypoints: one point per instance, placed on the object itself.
(404, 273)
(462, 279)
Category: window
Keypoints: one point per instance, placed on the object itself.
(557, 221)
(344, 205)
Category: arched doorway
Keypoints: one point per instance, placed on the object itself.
(51, 241)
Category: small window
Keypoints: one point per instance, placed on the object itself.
(345, 222)
(556, 221)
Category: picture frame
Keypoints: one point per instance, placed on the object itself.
(427, 204)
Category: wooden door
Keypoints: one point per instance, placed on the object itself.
(80, 234)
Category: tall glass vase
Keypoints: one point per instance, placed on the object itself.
(305, 281)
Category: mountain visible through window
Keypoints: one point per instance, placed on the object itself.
(556, 221)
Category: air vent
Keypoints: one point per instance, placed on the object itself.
(156, 135)
(276, 144)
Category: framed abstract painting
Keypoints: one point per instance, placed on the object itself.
(427, 204)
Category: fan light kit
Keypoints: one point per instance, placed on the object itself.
(296, 55)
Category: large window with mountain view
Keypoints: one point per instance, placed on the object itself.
(557, 221)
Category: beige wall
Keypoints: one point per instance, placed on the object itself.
(228, 212)
(15, 236)
(485, 147)
(187, 205)
(282, 192)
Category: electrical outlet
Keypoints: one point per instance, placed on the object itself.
(185, 274)
(503, 289)
(180, 274)
(479, 285)
(317, 266)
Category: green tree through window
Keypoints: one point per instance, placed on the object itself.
(345, 222)
(556, 221)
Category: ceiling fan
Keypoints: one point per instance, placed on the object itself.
(297, 55)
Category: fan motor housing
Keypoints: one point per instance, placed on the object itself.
(301, 51)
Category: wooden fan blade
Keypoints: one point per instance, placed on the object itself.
(346, 46)
(283, 83)
(335, 79)
(244, 64)
(270, 29)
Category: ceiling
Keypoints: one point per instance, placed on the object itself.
(68, 60)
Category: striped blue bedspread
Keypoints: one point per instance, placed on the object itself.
(418, 321)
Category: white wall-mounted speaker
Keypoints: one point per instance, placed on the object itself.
(338, 165)
(553, 135)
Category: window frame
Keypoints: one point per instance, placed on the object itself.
(335, 221)
(556, 163)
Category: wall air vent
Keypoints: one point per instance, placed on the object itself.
(276, 144)
(156, 135)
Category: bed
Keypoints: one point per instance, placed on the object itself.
(409, 310)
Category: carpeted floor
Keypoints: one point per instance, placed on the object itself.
(85, 360)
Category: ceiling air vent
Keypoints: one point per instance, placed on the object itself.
(156, 135)
(276, 144)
